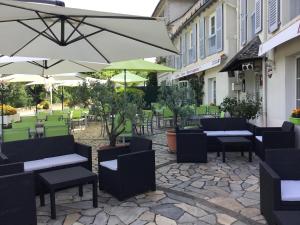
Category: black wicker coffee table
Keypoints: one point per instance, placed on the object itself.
(287, 217)
(235, 142)
(66, 178)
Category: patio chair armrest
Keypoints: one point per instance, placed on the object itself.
(138, 165)
(85, 151)
(270, 187)
(260, 130)
(12, 168)
(278, 139)
(111, 153)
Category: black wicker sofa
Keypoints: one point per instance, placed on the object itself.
(225, 127)
(44, 154)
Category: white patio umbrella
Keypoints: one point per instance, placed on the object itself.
(45, 67)
(41, 30)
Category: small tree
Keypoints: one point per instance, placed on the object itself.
(79, 95)
(177, 99)
(114, 108)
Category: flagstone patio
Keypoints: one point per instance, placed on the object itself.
(203, 194)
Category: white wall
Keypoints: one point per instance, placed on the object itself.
(281, 87)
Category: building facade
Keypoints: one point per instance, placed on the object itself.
(241, 47)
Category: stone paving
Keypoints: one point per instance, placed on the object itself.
(201, 194)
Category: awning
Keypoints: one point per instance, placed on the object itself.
(287, 34)
(249, 52)
(198, 68)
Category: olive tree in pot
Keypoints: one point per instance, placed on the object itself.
(178, 100)
(113, 108)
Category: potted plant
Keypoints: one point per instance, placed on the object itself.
(248, 108)
(178, 100)
(113, 108)
(295, 117)
(9, 114)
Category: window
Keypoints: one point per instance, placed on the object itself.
(212, 90)
(298, 84)
(212, 34)
(294, 8)
(212, 25)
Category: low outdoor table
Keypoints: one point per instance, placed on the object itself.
(235, 142)
(287, 217)
(66, 178)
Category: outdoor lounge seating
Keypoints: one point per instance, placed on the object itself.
(274, 137)
(17, 195)
(225, 127)
(191, 146)
(44, 154)
(127, 170)
(279, 182)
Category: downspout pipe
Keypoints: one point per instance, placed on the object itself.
(50, 2)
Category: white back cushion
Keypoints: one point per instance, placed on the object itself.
(259, 138)
(238, 133)
(111, 164)
(53, 162)
(290, 190)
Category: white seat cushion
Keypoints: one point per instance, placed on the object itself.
(259, 138)
(111, 164)
(290, 190)
(238, 133)
(36, 165)
(215, 133)
(53, 162)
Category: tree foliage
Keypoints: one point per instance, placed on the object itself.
(113, 108)
(177, 99)
(248, 108)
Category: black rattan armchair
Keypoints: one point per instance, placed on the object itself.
(274, 137)
(17, 195)
(191, 146)
(279, 182)
(125, 171)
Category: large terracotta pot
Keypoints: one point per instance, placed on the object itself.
(171, 140)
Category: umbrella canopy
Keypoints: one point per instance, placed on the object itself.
(130, 78)
(41, 30)
(139, 65)
(45, 67)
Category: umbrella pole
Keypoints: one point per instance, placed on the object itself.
(51, 97)
(2, 112)
(125, 85)
(62, 97)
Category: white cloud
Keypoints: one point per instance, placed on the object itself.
(134, 7)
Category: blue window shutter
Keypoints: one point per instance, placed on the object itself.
(183, 53)
(219, 27)
(187, 45)
(273, 14)
(243, 21)
(258, 16)
(202, 38)
(194, 42)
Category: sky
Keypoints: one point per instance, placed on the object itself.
(134, 7)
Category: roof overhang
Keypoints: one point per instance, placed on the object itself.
(246, 54)
(287, 34)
